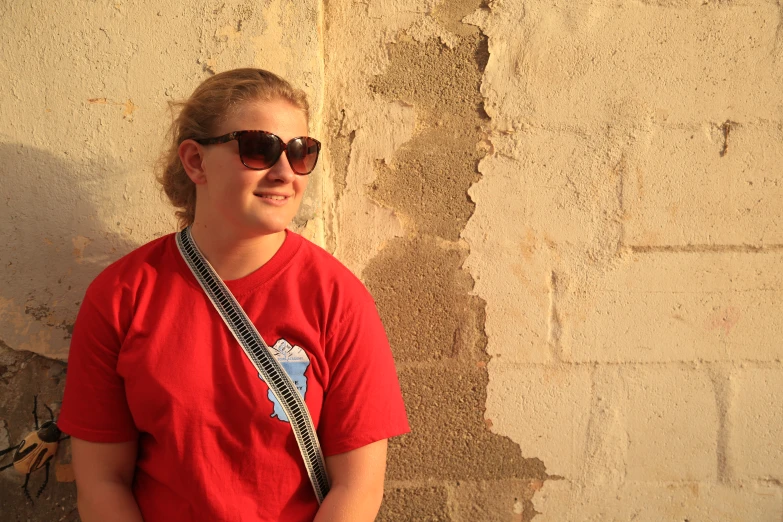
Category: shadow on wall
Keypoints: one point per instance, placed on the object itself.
(54, 242)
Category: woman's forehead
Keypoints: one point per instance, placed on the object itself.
(277, 116)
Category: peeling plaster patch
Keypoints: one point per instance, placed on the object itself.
(359, 52)
(363, 222)
(35, 328)
(417, 278)
(429, 176)
(438, 168)
(501, 501)
(39, 313)
(12, 361)
(79, 244)
(449, 440)
(450, 14)
(307, 229)
(443, 83)
(436, 327)
(228, 34)
(426, 28)
(207, 65)
(339, 153)
(505, 69)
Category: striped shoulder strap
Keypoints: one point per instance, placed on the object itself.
(260, 355)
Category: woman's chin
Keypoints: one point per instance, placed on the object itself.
(267, 227)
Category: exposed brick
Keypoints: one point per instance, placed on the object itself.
(716, 185)
(664, 306)
(422, 503)
(561, 501)
(702, 4)
(423, 298)
(756, 424)
(450, 439)
(672, 422)
(507, 500)
(545, 410)
(428, 177)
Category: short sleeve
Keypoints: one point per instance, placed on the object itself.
(362, 402)
(94, 404)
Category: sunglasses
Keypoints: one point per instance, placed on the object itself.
(260, 150)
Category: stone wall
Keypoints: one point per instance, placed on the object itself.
(569, 214)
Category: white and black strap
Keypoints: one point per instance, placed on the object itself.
(259, 354)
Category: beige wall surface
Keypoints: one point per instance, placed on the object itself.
(569, 214)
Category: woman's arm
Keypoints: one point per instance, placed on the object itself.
(357, 484)
(104, 477)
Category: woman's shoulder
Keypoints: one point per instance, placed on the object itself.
(134, 265)
(318, 267)
(324, 264)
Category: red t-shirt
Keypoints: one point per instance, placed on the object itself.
(152, 359)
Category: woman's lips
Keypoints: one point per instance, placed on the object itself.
(273, 199)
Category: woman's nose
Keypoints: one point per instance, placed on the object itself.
(282, 170)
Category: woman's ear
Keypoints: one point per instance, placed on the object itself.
(192, 161)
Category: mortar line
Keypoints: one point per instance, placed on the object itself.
(591, 447)
(586, 131)
(721, 382)
(409, 484)
(694, 365)
(620, 192)
(700, 249)
(554, 330)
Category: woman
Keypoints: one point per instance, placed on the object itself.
(168, 417)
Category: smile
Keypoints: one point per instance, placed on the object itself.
(272, 197)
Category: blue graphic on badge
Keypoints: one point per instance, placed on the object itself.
(295, 362)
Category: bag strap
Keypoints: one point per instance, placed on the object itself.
(260, 355)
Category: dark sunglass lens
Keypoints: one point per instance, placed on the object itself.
(259, 150)
(302, 154)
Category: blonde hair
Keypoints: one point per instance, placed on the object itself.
(200, 115)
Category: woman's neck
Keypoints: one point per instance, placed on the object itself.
(234, 256)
